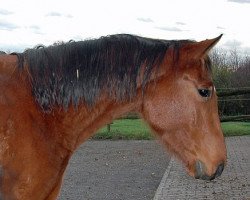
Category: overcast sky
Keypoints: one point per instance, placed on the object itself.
(26, 23)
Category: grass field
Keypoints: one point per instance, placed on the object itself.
(236, 128)
(125, 129)
(135, 129)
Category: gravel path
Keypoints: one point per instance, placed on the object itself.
(107, 170)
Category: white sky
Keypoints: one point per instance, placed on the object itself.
(26, 23)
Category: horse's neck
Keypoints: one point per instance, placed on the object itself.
(76, 125)
(8, 64)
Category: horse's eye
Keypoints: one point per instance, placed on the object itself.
(205, 92)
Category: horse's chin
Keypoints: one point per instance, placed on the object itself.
(188, 166)
(190, 172)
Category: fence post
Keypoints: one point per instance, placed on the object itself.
(109, 128)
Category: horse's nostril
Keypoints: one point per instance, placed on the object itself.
(219, 170)
(201, 172)
(199, 169)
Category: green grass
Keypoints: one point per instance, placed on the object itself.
(130, 129)
(236, 128)
(135, 129)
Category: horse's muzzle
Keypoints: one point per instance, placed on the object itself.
(200, 171)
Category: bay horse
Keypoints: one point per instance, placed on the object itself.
(54, 98)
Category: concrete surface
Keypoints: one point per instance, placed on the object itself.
(115, 170)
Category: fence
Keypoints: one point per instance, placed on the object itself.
(234, 104)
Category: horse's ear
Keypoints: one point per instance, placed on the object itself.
(201, 49)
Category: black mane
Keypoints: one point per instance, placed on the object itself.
(78, 71)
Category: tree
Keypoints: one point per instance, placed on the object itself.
(231, 75)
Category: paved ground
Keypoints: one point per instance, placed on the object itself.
(132, 170)
(109, 170)
(233, 184)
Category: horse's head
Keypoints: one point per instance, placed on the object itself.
(182, 110)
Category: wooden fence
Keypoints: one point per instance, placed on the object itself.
(223, 93)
